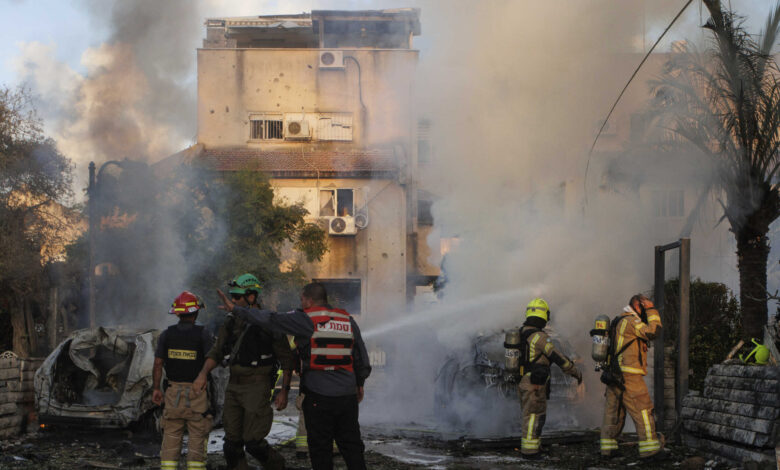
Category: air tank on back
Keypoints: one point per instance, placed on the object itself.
(512, 347)
(600, 334)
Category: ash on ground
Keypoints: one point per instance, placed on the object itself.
(411, 446)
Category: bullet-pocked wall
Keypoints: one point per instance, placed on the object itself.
(236, 84)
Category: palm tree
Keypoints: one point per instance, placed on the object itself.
(725, 102)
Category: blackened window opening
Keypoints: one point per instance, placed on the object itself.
(345, 200)
(343, 293)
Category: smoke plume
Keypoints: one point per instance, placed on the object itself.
(515, 91)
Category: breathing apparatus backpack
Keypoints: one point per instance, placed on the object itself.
(611, 374)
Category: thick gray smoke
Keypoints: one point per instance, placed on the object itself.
(516, 92)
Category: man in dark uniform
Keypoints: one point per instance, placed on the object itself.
(252, 353)
(181, 350)
(334, 364)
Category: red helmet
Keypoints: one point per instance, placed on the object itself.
(186, 303)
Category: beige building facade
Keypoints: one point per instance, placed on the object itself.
(323, 103)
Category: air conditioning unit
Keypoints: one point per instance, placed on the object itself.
(297, 130)
(342, 226)
(333, 60)
(361, 220)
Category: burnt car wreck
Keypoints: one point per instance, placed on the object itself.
(480, 376)
(98, 377)
(103, 377)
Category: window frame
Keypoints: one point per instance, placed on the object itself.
(335, 196)
(668, 203)
(264, 119)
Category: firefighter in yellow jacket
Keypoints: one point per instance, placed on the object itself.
(538, 355)
(630, 333)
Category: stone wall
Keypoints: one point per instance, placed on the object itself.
(735, 418)
(17, 395)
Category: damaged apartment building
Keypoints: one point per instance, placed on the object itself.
(323, 103)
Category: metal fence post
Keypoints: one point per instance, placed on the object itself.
(658, 355)
(684, 330)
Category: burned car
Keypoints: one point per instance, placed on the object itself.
(479, 376)
(102, 377)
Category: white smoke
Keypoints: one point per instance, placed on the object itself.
(515, 92)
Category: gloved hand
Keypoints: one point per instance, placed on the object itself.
(575, 372)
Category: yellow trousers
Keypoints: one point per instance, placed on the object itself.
(184, 411)
(533, 399)
(635, 400)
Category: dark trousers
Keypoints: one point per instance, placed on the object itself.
(329, 419)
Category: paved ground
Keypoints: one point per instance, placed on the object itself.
(388, 449)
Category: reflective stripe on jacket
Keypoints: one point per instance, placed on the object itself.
(631, 328)
(542, 351)
(332, 340)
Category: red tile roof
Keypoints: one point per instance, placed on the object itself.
(323, 164)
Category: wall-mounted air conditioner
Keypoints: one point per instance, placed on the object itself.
(342, 226)
(297, 130)
(333, 60)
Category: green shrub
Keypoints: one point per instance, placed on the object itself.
(715, 324)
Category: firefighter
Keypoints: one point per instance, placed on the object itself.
(538, 354)
(630, 332)
(252, 354)
(181, 350)
(335, 366)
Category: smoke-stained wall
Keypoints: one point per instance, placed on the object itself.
(233, 83)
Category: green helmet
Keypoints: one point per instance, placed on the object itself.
(759, 355)
(245, 283)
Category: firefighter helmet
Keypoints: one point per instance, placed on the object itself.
(245, 284)
(538, 308)
(186, 303)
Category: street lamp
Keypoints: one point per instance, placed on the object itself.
(93, 193)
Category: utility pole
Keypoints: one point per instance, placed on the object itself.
(91, 192)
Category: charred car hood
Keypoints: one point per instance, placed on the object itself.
(97, 376)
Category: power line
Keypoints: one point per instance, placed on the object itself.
(614, 105)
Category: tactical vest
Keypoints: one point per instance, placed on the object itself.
(256, 348)
(184, 357)
(332, 340)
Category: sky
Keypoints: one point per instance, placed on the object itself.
(76, 55)
(68, 26)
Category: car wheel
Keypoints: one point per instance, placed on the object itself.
(443, 392)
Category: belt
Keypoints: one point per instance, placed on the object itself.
(247, 379)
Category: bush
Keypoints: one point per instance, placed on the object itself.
(715, 323)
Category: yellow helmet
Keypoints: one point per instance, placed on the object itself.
(538, 308)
